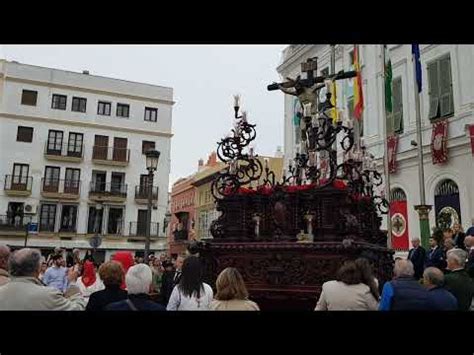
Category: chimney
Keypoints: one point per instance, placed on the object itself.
(200, 164)
(85, 72)
(212, 160)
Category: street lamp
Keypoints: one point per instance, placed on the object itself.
(152, 158)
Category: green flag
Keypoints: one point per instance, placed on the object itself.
(388, 81)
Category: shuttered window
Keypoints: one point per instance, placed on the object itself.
(397, 104)
(440, 88)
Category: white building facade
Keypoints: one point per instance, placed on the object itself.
(453, 178)
(72, 159)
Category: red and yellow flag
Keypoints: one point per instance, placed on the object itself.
(358, 96)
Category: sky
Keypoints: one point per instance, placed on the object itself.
(204, 79)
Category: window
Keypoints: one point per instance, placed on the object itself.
(20, 174)
(24, 134)
(123, 110)
(79, 104)
(147, 145)
(94, 224)
(74, 146)
(59, 102)
(351, 59)
(440, 88)
(104, 108)
(397, 105)
(115, 221)
(71, 181)
(51, 179)
(55, 142)
(151, 114)
(29, 97)
(68, 218)
(47, 217)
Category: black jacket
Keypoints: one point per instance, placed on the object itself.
(459, 240)
(470, 263)
(141, 302)
(435, 258)
(442, 300)
(417, 256)
(461, 286)
(100, 299)
(167, 285)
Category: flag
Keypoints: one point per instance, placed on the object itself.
(392, 144)
(388, 81)
(358, 96)
(439, 146)
(399, 222)
(415, 50)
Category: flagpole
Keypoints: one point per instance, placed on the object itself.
(423, 209)
(386, 158)
(356, 121)
(332, 72)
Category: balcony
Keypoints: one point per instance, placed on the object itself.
(110, 156)
(137, 231)
(63, 189)
(112, 192)
(64, 152)
(18, 185)
(142, 192)
(14, 225)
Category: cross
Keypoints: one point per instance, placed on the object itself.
(398, 224)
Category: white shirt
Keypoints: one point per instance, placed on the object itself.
(98, 285)
(180, 302)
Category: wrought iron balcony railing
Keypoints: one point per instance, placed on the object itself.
(72, 149)
(111, 154)
(18, 183)
(109, 188)
(138, 229)
(70, 187)
(14, 223)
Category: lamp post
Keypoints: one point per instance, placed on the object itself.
(152, 158)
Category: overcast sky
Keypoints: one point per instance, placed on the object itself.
(204, 78)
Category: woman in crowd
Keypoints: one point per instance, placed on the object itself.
(89, 283)
(125, 258)
(232, 295)
(368, 277)
(191, 294)
(459, 236)
(348, 292)
(111, 273)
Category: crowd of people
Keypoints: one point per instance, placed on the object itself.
(30, 282)
(440, 278)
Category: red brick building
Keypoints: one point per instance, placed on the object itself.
(183, 209)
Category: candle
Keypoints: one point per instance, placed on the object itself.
(236, 100)
(244, 116)
(251, 152)
(266, 163)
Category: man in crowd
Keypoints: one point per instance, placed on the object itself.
(404, 292)
(469, 243)
(458, 281)
(4, 255)
(435, 255)
(417, 256)
(438, 297)
(139, 284)
(26, 292)
(170, 279)
(56, 275)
